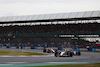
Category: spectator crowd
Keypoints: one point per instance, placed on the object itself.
(58, 28)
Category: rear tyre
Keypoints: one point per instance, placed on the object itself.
(44, 50)
(79, 53)
(71, 54)
(56, 54)
(68, 54)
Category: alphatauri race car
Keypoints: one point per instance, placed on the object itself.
(64, 53)
(48, 50)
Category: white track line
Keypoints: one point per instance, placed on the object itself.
(16, 62)
(67, 62)
(5, 64)
(29, 56)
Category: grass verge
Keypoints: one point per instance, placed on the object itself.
(91, 51)
(73, 65)
(17, 53)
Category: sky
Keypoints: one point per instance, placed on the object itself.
(34, 7)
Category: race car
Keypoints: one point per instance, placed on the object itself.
(48, 50)
(64, 53)
(77, 53)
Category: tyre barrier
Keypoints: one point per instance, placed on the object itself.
(35, 47)
(48, 47)
(59, 48)
(90, 49)
(77, 49)
(97, 50)
(9, 46)
(83, 49)
(27, 47)
(17, 47)
(40, 48)
(23, 47)
(32, 47)
(0, 47)
(63, 48)
(13, 47)
(93, 49)
(68, 48)
(55, 48)
(4, 47)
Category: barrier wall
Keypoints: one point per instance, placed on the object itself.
(13, 47)
(55, 48)
(97, 50)
(27, 47)
(77, 49)
(3, 47)
(40, 48)
(0, 47)
(93, 49)
(83, 49)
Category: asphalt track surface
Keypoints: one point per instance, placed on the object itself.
(50, 58)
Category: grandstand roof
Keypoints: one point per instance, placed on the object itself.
(88, 15)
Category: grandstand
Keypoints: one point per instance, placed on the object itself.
(58, 30)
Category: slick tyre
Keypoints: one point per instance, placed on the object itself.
(44, 50)
(68, 54)
(79, 53)
(71, 54)
(56, 54)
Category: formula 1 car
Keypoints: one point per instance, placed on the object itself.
(77, 53)
(64, 53)
(48, 50)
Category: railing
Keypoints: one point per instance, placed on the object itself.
(48, 34)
